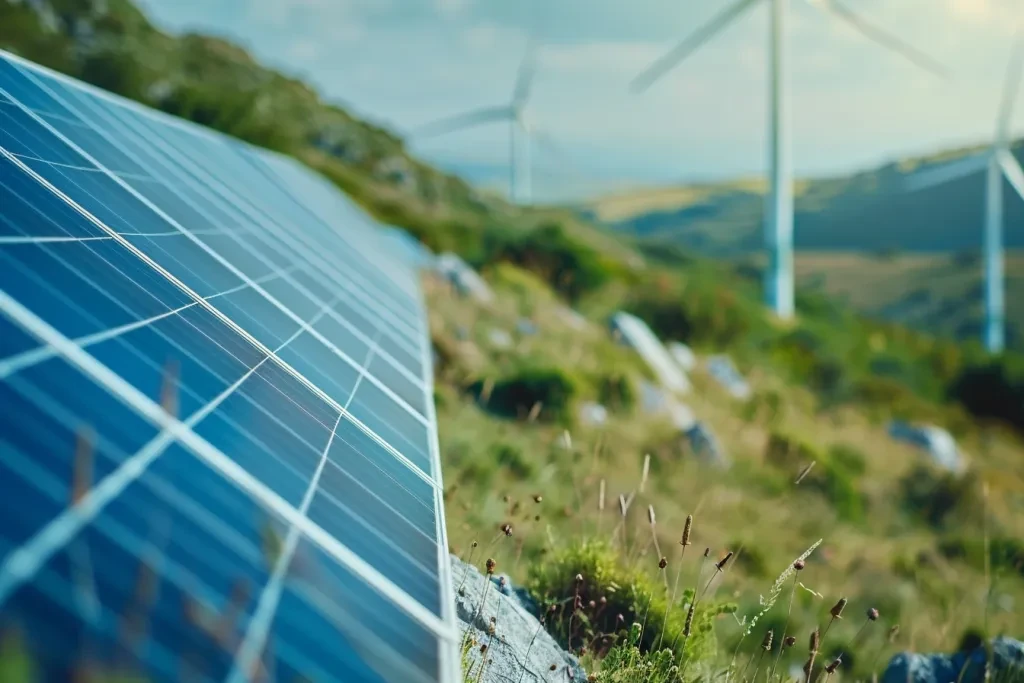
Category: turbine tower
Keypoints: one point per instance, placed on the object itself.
(519, 129)
(778, 225)
(998, 163)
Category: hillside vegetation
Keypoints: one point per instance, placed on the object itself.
(921, 249)
(898, 535)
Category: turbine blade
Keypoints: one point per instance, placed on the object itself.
(524, 79)
(1012, 171)
(462, 121)
(1011, 90)
(886, 39)
(690, 45)
(946, 172)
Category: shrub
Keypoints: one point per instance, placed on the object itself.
(616, 392)
(1005, 552)
(932, 495)
(627, 592)
(567, 264)
(554, 388)
(512, 457)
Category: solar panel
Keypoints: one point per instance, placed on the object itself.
(218, 450)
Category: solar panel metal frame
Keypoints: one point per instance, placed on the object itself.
(444, 627)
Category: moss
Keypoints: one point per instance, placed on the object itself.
(626, 591)
(515, 395)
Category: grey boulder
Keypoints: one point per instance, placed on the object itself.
(519, 649)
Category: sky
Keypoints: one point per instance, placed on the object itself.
(405, 63)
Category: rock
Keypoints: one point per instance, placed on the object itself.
(593, 414)
(910, 667)
(515, 628)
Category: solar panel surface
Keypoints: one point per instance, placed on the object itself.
(218, 452)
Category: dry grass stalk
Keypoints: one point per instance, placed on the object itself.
(812, 653)
(804, 472)
(534, 412)
(169, 388)
(85, 441)
(485, 394)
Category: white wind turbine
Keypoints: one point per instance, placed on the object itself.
(520, 183)
(778, 228)
(999, 163)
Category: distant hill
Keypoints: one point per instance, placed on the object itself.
(868, 211)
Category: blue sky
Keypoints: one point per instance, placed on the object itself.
(406, 62)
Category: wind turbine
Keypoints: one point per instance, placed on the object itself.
(520, 184)
(999, 163)
(778, 228)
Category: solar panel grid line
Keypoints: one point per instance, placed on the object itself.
(54, 238)
(256, 635)
(211, 181)
(287, 367)
(223, 261)
(13, 364)
(58, 164)
(221, 463)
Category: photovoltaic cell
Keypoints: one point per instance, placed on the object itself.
(218, 452)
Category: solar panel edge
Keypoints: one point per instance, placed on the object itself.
(451, 657)
(445, 628)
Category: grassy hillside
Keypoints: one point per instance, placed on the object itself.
(869, 211)
(898, 535)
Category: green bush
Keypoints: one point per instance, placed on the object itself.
(933, 496)
(617, 590)
(569, 265)
(698, 313)
(1006, 553)
(514, 459)
(616, 392)
(554, 388)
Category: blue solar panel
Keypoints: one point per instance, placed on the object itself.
(217, 443)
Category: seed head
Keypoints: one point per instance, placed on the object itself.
(579, 579)
(721, 563)
(837, 609)
(483, 648)
(766, 644)
(689, 619)
(552, 667)
(491, 564)
(790, 641)
(815, 640)
(619, 618)
(650, 515)
(662, 563)
(537, 498)
(686, 531)
(872, 614)
(502, 582)
(506, 528)
(591, 604)
(707, 552)
(603, 600)
(799, 565)
(831, 668)
(475, 544)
